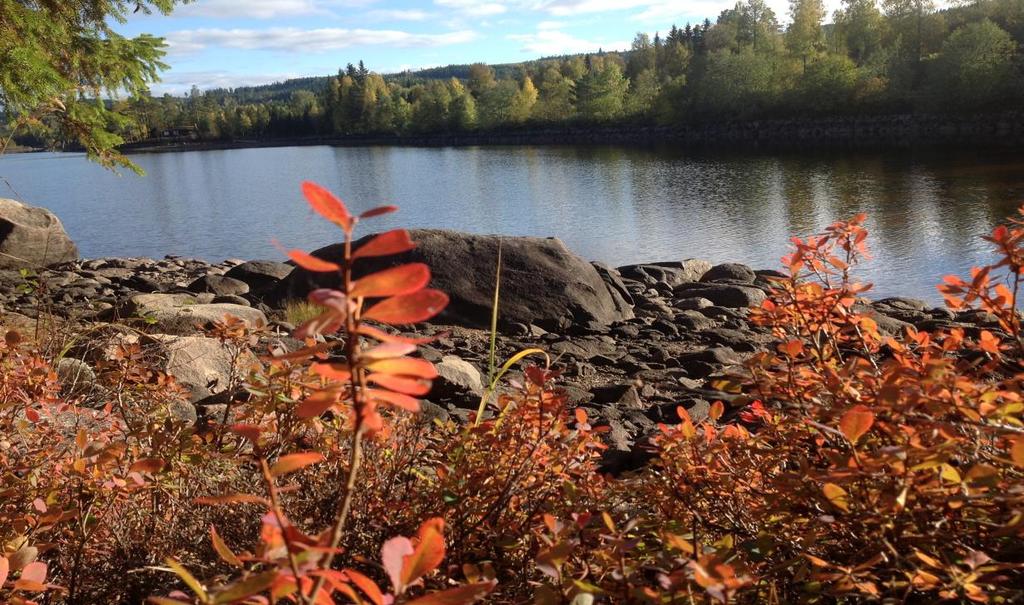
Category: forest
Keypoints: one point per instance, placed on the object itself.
(896, 57)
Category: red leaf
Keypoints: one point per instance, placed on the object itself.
(311, 263)
(378, 211)
(293, 462)
(409, 308)
(461, 595)
(409, 386)
(404, 279)
(386, 244)
(405, 366)
(396, 399)
(327, 205)
(392, 555)
(856, 421)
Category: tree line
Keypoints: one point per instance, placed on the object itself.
(899, 56)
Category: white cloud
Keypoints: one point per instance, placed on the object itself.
(266, 9)
(399, 15)
(177, 83)
(474, 7)
(550, 25)
(552, 42)
(293, 39)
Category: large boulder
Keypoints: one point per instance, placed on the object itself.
(32, 237)
(183, 314)
(542, 281)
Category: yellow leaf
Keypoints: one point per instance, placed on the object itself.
(948, 473)
(837, 496)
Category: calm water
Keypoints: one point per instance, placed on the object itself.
(610, 204)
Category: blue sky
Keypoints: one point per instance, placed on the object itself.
(238, 42)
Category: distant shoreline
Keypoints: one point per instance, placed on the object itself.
(897, 132)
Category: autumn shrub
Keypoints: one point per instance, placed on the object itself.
(862, 466)
(848, 464)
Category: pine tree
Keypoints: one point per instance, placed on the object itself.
(58, 60)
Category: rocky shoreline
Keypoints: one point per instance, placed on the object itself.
(632, 342)
(688, 327)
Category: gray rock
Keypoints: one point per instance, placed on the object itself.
(219, 285)
(619, 395)
(457, 378)
(75, 375)
(32, 237)
(543, 282)
(723, 295)
(730, 273)
(201, 365)
(184, 314)
(260, 275)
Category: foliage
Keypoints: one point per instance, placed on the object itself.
(848, 464)
(59, 59)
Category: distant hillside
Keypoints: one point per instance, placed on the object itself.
(281, 91)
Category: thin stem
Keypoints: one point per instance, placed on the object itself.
(275, 504)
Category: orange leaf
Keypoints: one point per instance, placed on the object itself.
(316, 404)
(293, 462)
(34, 572)
(1017, 451)
(461, 595)
(386, 244)
(368, 586)
(428, 554)
(716, 411)
(327, 205)
(409, 308)
(405, 366)
(396, 399)
(331, 371)
(404, 279)
(311, 263)
(409, 386)
(5, 570)
(856, 421)
(389, 350)
(233, 499)
(381, 335)
(147, 465)
(222, 549)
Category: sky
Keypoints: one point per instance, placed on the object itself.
(230, 43)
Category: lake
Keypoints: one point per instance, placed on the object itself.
(617, 205)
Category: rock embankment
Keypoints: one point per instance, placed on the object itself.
(634, 342)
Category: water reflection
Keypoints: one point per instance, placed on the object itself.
(610, 204)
